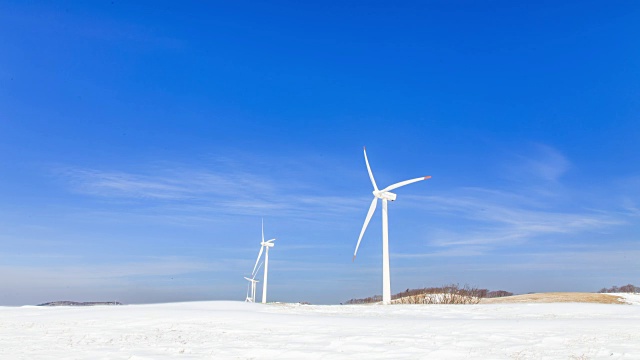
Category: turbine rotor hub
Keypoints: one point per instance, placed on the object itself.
(385, 195)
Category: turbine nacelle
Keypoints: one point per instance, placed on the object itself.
(268, 243)
(386, 195)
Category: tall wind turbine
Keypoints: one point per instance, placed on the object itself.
(264, 244)
(385, 195)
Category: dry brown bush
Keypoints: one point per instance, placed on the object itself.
(448, 294)
(629, 288)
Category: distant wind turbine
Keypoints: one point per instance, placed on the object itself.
(385, 195)
(264, 244)
(251, 286)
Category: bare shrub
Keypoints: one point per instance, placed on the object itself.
(629, 288)
(448, 294)
(369, 300)
(498, 293)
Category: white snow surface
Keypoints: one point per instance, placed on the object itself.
(633, 299)
(238, 330)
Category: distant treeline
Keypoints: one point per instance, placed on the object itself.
(622, 289)
(75, 303)
(447, 294)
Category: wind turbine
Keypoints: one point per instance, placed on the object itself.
(251, 288)
(252, 285)
(264, 244)
(385, 195)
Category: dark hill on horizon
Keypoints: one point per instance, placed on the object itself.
(76, 303)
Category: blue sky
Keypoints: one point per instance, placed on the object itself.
(142, 144)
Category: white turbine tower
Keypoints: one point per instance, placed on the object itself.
(264, 244)
(385, 195)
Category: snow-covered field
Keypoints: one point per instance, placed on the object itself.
(237, 330)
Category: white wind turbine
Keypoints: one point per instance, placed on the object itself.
(264, 244)
(385, 195)
(251, 287)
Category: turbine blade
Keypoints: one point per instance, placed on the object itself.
(403, 183)
(248, 286)
(373, 181)
(372, 208)
(258, 259)
(262, 230)
(256, 271)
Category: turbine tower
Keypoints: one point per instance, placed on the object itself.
(264, 244)
(385, 195)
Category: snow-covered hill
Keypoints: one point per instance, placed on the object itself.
(236, 330)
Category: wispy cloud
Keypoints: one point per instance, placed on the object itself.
(473, 250)
(535, 205)
(596, 259)
(189, 194)
(499, 217)
(164, 184)
(630, 187)
(118, 184)
(492, 217)
(540, 163)
(548, 164)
